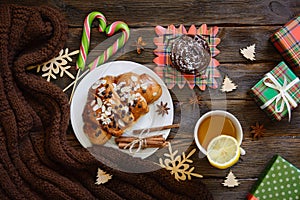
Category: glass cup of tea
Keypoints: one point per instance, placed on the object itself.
(213, 124)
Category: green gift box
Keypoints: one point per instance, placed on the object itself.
(280, 180)
(278, 93)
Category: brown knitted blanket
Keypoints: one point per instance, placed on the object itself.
(36, 162)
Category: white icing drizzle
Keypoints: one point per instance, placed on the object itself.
(108, 111)
(126, 108)
(112, 101)
(96, 84)
(121, 123)
(106, 121)
(126, 89)
(137, 87)
(134, 78)
(144, 86)
(103, 81)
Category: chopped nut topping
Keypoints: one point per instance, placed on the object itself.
(93, 103)
(96, 107)
(96, 85)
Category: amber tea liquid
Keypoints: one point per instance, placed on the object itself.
(213, 126)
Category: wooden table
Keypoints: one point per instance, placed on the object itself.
(241, 23)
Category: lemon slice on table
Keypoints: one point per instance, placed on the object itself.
(223, 151)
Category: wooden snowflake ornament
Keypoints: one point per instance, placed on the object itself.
(178, 165)
(102, 177)
(231, 180)
(58, 65)
(249, 52)
(228, 85)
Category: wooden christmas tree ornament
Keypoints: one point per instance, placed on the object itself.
(249, 52)
(231, 180)
(228, 85)
(102, 177)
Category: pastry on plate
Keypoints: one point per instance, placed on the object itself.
(115, 103)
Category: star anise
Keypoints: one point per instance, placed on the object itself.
(140, 45)
(195, 100)
(257, 130)
(162, 108)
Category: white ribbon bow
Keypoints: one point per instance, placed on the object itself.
(141, 140)
(283, 97)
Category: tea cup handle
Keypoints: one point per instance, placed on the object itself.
(243, 152)
(201, 154)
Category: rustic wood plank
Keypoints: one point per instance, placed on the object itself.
(221, 193)
(232, 40)
(244, 75)
(145, 13)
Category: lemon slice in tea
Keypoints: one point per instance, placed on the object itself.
(223, 151)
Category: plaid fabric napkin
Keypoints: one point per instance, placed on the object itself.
(269, 91)
(287, 42)
(280, 180)
(169, 74)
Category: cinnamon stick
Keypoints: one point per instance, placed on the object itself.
(156, 141)
(130, 139)
(152, 145)
(160, 128)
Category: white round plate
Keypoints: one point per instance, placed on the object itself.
(151, 119)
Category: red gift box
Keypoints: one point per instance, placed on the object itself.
(287, 41)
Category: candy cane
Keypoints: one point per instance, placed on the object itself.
(110, 30)
(86, 36)
(85, 43)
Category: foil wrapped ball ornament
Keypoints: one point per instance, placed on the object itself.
(190, 54)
